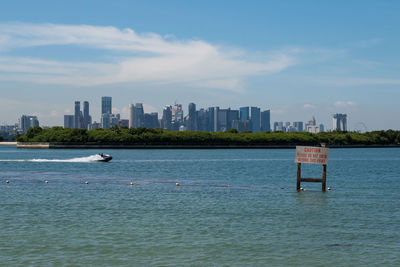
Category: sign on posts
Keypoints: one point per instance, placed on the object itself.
(314, 155)
(311, 155)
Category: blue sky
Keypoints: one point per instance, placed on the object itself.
(297, 58)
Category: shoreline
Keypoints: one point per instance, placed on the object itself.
(50, 145)
(8, 143)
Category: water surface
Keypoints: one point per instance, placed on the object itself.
(232, 208)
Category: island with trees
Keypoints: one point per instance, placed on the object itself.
(120, 137)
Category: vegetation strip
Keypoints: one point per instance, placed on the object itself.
(146, 137)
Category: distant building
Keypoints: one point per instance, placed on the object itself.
(26, 122)
(202, 120)
(69, 121)
(151, 120)
(244, 113)
(241, 125)
(192, 119)
(87, 119)
(339, 122)
(266, 121)
(278, 127)
(298, 125)
(255, 119)
(106, 120)
(166, 120)
(123, 123)
(177, 115)
(106, 104)
(77, 115)
(131, 115)
(139, 115)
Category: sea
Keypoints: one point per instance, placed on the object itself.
(205, 207)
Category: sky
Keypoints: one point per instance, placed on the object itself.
(297, 58)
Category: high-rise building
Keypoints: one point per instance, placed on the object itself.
(131, 115)
(339, 122)
(139, 115)
(211, 119)
(255, 119)
(77, 115)
(151, 120)
(87, 119)
(244, 113)
(69, 121)
(265, 121)
(192, 120)
(202, 120)
(279, 127)
(298, 125)
(241, 125)
(26, 122)
(106, 104)
(166, 120)
(177, 114)
(106, 120)
(223, 123)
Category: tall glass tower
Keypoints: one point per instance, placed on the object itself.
(77, 115)
(106, 104)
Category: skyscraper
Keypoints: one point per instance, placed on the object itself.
(255, 119)
(339, 122)
(192, 117)
(244, 113)
(69, 121)
(106, 105)
(139, 115)
(166, 119)
(26, 122)
(266, 121)
(298, 125)
(87, 119)
(77, 115)
(131, 115)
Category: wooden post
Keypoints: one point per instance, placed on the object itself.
(298, 176)
(324, 178)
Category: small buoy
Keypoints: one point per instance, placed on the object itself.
(177, 184)
(131, 183)
(86, 182)
(329, 189)
(46, 182)
(282, 188)
(7, 181)
(301, 189)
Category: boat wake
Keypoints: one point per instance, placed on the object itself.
(92, 158)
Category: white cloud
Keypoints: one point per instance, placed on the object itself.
(344, 104)
(309, 106)
(147, 58)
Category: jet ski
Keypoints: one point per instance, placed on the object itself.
(104, 157)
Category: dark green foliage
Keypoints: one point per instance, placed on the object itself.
(233, 137)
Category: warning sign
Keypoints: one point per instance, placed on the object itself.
(310, 154)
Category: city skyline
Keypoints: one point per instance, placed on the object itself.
(211, 119)
(296, 59)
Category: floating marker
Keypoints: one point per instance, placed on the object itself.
(131, 183)
(46, 182)
(329, 189)
(177, 184)
(7, 181)
(86, 182)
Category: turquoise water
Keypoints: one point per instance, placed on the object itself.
(229, 210)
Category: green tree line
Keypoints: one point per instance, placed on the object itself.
(147, 136)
